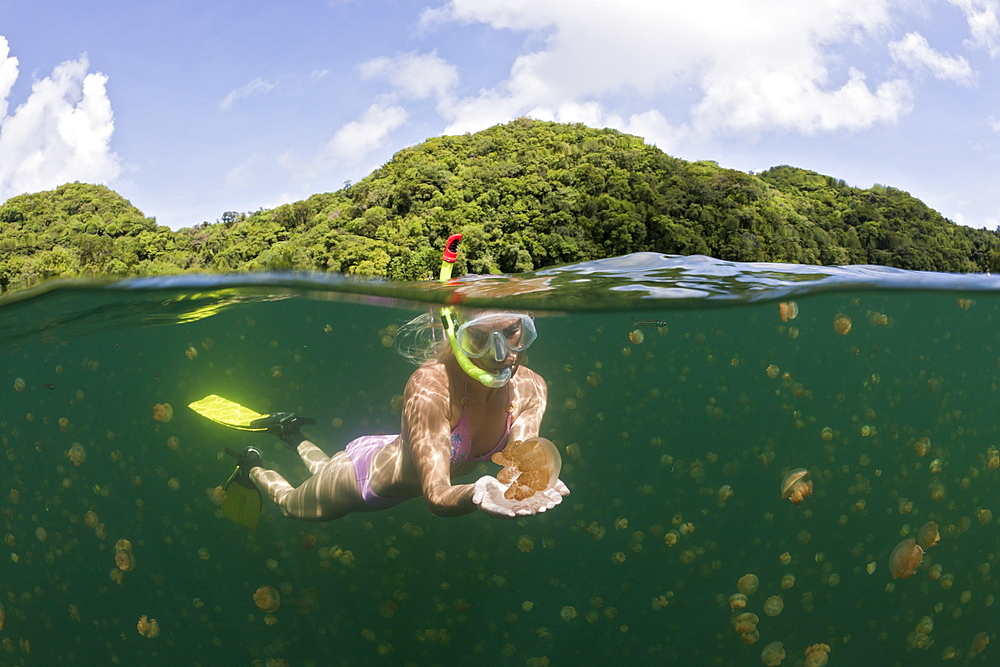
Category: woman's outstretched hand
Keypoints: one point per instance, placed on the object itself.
(487, 494)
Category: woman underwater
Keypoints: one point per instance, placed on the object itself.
(467, 400)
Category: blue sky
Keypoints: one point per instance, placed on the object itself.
(191, 109)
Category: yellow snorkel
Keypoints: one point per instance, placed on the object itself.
(451, 326)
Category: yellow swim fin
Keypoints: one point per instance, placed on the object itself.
(228, 413)
(243, 503)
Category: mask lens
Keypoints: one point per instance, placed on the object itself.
(496, 334)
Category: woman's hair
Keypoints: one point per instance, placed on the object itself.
(422, 339)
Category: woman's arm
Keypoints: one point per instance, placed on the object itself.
(427, 429)
(531, 398)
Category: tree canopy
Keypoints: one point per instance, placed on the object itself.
(526, 194)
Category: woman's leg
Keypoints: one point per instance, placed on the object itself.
(329, 494)
(312, 456)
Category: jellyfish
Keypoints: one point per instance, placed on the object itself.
(788, 310)
(76, 453)
(905, 559)
(3, 615)
(163, 412)
(842, 324)
(796, 486)
(817, 655)
(530, 466)
(636, 337)
(748, 584)
(267, 599)
(745, 622)
(19, 384)
(928, 535)
(737, 601)
(979, 643)
(773, 654)
(148, 627)
(125, 560)
(773, 605)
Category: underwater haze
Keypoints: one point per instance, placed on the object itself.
(682, 392)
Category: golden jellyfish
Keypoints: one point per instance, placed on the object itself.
(746, 622)
(267, 599)
(796, 486)
(217, 495)
(978, 645)
(788, 310)
(773, 605)
(748, 584)
(636, 337)
(817, 655)
(737, 601)
(842, 324)
(905, 559)
(125, 560)
(19, 384)
(928, 535)
(148, 627)
(163, 412)
(773, 654)
(76, 453)
(530, 466)
(90, 519)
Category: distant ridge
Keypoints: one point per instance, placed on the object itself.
(526, 194)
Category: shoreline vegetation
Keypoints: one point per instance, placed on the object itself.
(526, 195)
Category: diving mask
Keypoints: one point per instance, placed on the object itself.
(496, 335)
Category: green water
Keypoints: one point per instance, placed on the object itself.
(649, 433)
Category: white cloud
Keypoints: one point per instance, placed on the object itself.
(358, 138)
(914, 52)
(61, 133)
(414, 75)
(983, 17)
(258, 85)
(8, 74)
(741, 67)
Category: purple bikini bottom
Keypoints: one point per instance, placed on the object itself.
(361, 452)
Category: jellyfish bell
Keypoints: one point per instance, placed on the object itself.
(796, 485)
(773, 654)
(530, 466)
(748, 584)
(163, 412)
(905, 559)
(928, 535)
(267, 599)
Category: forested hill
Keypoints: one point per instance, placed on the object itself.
(526, 194)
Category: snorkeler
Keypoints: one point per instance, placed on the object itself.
(449, 425)
(467, 400)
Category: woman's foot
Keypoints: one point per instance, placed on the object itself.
(247, 460)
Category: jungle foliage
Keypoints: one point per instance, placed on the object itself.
(526, 195)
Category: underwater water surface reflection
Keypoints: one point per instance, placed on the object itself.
(742, 470)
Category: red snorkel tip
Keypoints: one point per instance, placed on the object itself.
(451, 248)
